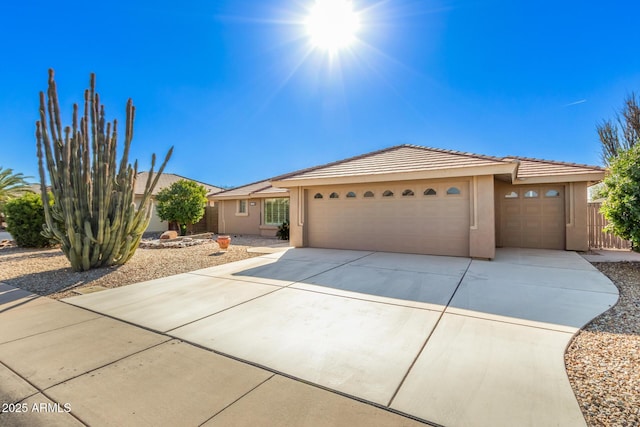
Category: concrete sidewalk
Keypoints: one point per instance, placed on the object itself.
(611, 255)
(63, 366)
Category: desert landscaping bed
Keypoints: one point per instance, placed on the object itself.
(603, 359)
(47, 271)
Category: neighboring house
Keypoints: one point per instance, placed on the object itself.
(256, 208)
(166, 179)
(424, 200)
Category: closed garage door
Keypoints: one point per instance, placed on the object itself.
(532, 217)
(418, 217)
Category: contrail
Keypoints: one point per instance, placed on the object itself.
(582, 101)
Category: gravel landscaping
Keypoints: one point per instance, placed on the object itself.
(603, 360)
(47, 271)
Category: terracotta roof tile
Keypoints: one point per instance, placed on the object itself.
(530, 167)
(401, 158)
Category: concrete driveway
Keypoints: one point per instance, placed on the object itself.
(451, 341)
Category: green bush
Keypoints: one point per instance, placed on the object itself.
(283, 231)
(25, 217)
(622, 191)
(182, 202)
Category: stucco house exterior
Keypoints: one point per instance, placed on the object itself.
(256, 208)
(166, 179)
(424, 200)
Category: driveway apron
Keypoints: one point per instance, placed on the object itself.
(451, 341)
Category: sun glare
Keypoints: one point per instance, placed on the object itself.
(332, 24)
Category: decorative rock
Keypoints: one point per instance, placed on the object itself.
(170, 234)
(7, 243)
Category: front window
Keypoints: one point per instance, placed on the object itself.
(276, 211)
(242, 207)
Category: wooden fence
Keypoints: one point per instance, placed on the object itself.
(208, 223)
(599, 239)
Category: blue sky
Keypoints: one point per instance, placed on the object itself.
(233, 85)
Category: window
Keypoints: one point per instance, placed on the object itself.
(407, 193)
(242, 207)
(387, 193)
(429, 192)
(276, 211)
(318, 196)
(453, 191)
(511, 195)
(552, 193)
(334, 195)
(530, 194)
(351, 195)
(368, 194)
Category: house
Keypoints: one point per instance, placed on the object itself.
(166, 179)
(431, 201)
(256, 208)
(422, 200)
(425, 200)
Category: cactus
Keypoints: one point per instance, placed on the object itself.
(94, 217)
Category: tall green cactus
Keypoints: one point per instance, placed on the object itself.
(94, 218)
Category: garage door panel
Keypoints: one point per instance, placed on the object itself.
(532, 222)
(511, 208)
(415, 224)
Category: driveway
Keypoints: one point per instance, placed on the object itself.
(448, 340)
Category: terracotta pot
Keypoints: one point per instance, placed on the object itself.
(224, 241)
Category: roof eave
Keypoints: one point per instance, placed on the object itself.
(591, 177)
(261, 195)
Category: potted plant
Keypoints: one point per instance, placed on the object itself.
(224, 242)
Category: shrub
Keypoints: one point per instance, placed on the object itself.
(622, 192)
(283, 231)
(25, 217)
(182, 202)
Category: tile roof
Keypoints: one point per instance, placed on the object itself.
(255, 188)
(411, 158)
(166, 179)
(400, 158)
(538, 167)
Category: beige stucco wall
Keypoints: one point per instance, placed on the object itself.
(484, 215)
(577, 232)
(155, 224)
(297, 198)
(482, 235)
(230, 222)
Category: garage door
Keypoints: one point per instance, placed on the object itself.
(532, 217)
(422, 217)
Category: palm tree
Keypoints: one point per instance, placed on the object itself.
(11, 185)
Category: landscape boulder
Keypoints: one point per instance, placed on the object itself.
(170, 234)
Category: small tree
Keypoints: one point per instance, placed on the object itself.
(622, 193)
(25, 218)
(183, 202)
(12, 185)
(627, 123)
